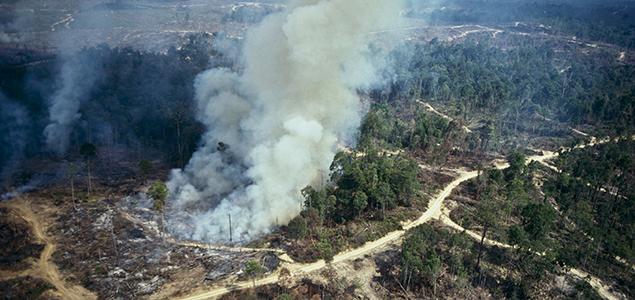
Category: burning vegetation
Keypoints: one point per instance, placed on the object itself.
(337, 149)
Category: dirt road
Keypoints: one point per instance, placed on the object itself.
(47, 270)
(595, 282)
(44, 268)
(432, 109)
(433, 211)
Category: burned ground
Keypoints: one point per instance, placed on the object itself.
(100, 248)
(25, 288)
(18, 243)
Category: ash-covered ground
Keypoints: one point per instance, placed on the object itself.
(134, 257)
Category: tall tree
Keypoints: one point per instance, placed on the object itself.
(537, 220)
(145, 168)
(516, 162)
(70, 174)
(297, 228)
(88, 152)
(159, 192)
(487, 215)
(253, 270)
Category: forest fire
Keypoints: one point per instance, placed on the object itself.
(281, 116)
(316, 149)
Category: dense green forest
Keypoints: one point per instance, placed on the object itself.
(525, 91)
(366, 191)
(524, 87)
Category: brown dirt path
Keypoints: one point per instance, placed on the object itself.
(44, 268)
(596, 283)
(434, 211)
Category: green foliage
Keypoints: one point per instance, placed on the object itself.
(495, 176)
(253, 269)
(159, 192)
(585, 291)
(418, 255)
(516, 162)
(517, 236)
(369, 182)
(538, 219)
(488, 211)
(88, 152)
(426, 249)
(145, 168)
(72, 170)
(594, 190)
(325, 250)
(82, 197)
(367, 188)
(285, 297)
(430, 136)
(521, 86)
(360, 201)
(358, 284)
(297, 228)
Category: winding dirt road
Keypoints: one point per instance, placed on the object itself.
(44, 268)
(47, 270)
(434, 211)
(595, 282)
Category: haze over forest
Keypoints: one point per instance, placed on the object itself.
(422, 149)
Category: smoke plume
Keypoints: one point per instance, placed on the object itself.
(14, 131)
(273, 129)
(78, 75)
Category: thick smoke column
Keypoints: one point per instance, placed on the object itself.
(278, 122)
(77, 77)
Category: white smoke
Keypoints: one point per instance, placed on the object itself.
(77, 77)
(281, 117)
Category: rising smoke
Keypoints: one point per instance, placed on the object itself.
(14, 130)
(278, 122)
(77, 77)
